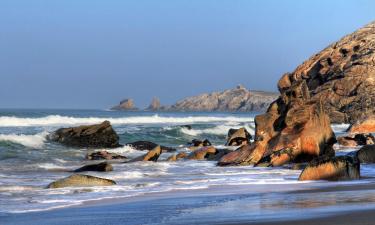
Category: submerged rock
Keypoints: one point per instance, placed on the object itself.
(94, 136)
(100, 167)
(366, 154)
(80, 180)
(354, 140)
(148, 145)
(332, 169)
(176, 157)
(104, 155)
(238, 137)
(152, 155)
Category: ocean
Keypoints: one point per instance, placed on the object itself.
(28, 163)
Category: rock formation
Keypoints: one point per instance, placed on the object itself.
(154, 105)
(238, 137)
(237, 99)
(342, 76)
(125, 105)
(94, 136)
(80, 180)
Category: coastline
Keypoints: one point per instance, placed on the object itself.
(217, 205)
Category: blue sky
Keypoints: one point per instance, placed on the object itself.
(91, 54)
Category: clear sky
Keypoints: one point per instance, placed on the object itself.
(91, 54)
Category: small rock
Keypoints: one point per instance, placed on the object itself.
(103, 155)
(80, 180)
(238, 137)
(152, 155)
(202, 153)
(366, 154)
(199, 143)
(354, 140)
(100, 167)
(148, 145)
(178, 156)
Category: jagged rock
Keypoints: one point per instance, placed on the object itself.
(238, 157)
(154, 105)
(342, 75)
(294, 129)
(354, 140)
(100, 167)
(178, 156)
(238, 137)
(202, 153)
(94, 136)
(366, 125)
(148, 145)
(332, 169)
(366, 154)
(126, 105)
(200, 143)
(80, 180)
(152, 155)
(104, 155)
(237, 99)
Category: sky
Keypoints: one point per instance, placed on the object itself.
(91, 54)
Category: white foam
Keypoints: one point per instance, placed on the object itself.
(32, 141)
(57, 120)
(217, 130)
(340, 128)
(50, 166)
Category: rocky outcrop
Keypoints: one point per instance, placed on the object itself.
(332, 169)
(100, 167)
(366, 125)
(238, 137)
(80, 180)
(354, 140)
(152, 155)
(154, 105)
(366, 154)
(148, 145)
(125, 105)
(294, 129)
(342, 76)
(237, 99)
(104, 155)
(94, 136)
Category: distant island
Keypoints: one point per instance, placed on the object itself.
(238, 99)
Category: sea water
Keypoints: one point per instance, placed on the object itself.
(28, 162)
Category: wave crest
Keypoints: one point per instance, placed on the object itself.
(32, 141)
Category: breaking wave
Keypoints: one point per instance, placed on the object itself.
(32, 141)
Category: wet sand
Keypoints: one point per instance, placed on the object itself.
(221, 205)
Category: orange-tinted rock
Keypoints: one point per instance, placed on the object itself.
(178, 156)
(363, 126)
(332, 169)
(202, 153)
(152, 155)
(238, 157)
(356, 139)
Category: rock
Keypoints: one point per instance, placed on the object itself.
(125, 105)
(354, 140)
(104, 155)
(202, 153)
(332, 169)
(80, 180)
(366, 154)
(199, 143)
(237, 99)
(100, 167)
(154, 105)
(178, 156)
(238, 137)
(363, 126)
(152, 155)
(89, 136)
(294, 129)
(148, 145)
(342, 75)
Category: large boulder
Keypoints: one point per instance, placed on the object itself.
(100, 155)
(80, 180)
(354, 140)
(238, 137)
(332, 169)
(294, 129)
(152, 155)
(148, 145)
(366, 125)
(100, 167)
(343, 75)
(366, 154)
(87, 136)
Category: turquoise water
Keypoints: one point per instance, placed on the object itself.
(28, 162)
